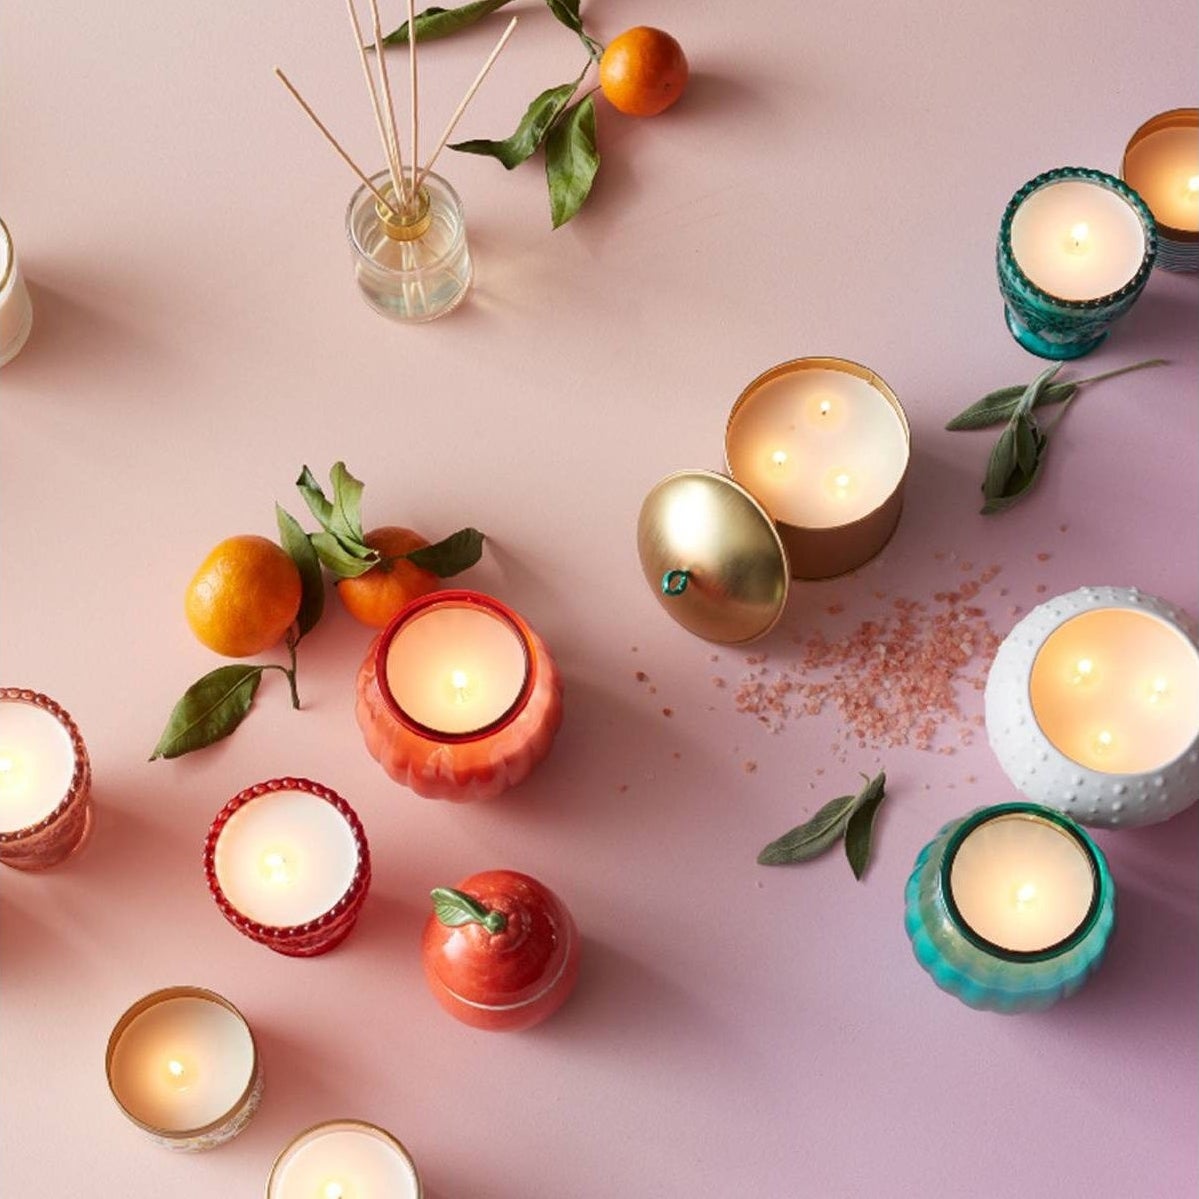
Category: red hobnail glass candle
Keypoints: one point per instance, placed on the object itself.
(323, 932)
(460, 767)
(59, 834)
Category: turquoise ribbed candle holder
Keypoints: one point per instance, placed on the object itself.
(1048, 325)
(979, 972)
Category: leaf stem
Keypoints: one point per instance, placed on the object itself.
(289, 671)
(1123, 370)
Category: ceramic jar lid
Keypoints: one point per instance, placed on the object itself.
(713, 557)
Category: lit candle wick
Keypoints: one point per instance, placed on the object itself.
(333, 1190)
(841, 482)
(177, 1073)
(825, 407)
(6, 764)
(276, 866)
(1083, 670)
(1079, 236)
(1158, 690)
(1193, 187)
(1104, 740)
(459, 681)
(779, 457)
(1025, 894)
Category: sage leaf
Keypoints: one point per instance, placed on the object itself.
(531, 131)
(1001, 464)
(1034, 390)
(456, 908)
(1026, 445)
(210, 709)
(345, 521)
(571, 160)
(998, 406)
(312, 595)
(437, 22)
(810, 839)
(335, 556)
(859, 832)
(1018, 486)
(451, 555)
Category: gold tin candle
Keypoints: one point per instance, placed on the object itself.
(16, 309)
(1161, 163)
(823, 444)
(183, 1066)
(45, 782)
(344, 1159)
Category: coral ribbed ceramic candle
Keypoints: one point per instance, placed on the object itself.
(288, 864)
(1075, 249)
(183, 1066)
(45, 781)
(344, 1159)
(1092, 706)
(458, 698)
(1010, 908)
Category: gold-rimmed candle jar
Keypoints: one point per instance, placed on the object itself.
(412, 262)
(344, 1159)
(45, 781)
(823, 444)
(182, 1065)
(1161, 163)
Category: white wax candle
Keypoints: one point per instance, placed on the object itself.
(457, 668)
(285, 858)
(182, 1064)
(1022, 882)
(16, 310)
(1117, 690)
(1077, 240)
(817, 448)
(344, 1159)
(37, 762)
(1163, 167)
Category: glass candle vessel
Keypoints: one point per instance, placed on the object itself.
(45, 782)
(344, 1159)
(1161, 163)
(1010, 909)
(823, 444)
(183, 1066)
(288, 864)
(16, 309)
(458, 698)
(414, 267)
(1092, 706)
(1075, 249)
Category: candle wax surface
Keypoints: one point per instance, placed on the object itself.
(456, 669)
(1163, 168)
(37, 763)
(1021, 882)
(1077, 240)
(1117, 691)
(182, 1064)
(343, 1161)
(285, 858)
(817, 448)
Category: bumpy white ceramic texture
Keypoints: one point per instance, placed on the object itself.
(1043, 773)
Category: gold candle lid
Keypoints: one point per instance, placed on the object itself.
(713, 557)
(398, 223)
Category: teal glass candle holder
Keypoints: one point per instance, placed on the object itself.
(971, 965)
(1076, 247)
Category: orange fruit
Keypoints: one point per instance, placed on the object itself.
(375, 597)
(643, 71)
(244, 597)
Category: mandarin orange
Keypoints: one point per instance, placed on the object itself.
(643, 71)
(375, 597)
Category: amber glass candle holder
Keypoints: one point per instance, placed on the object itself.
(61, 832)
(479, 763)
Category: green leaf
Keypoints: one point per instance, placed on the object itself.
(295, 541)
(335, 556)
(1018, 486)
(1001, 463)
(437, 22)
(456, 908)
(1035, 389)
(314, 497)
(345, 521)
(1026, 444)
(567, 12)
(210, 709)
(571, 160)
(998, 406)
(450, 556)
(531, 131)
(860, 830)
(813, 837)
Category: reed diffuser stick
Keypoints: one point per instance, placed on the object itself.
(470, 95)
(391, 146)
(287, 83)
(389, 109)
(412, 92)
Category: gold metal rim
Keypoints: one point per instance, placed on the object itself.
(153, 999)
(360, 1125)
(399, 228)
(1170, 119)
(11, 263)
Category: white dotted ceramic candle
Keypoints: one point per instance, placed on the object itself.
(1093, 707)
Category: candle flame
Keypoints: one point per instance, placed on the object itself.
(6, 764)
(1084, 668)
(276, 867)
(825, 407)
(1104, 740)
(459, 680)
(1025, 894)
(1158, 690)
(175, 1067)
(779, 457)
(842, 480)
(1080, 234)
(1193, 186)
(333, 1190)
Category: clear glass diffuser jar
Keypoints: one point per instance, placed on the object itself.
(416, 267)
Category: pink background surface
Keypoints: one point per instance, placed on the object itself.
(831, 184)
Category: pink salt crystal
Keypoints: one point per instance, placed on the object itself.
(1043, 557)
(668, 712)
(622, 787)
(966, 567)
(1062, 528)
(652, 690)
(678, 757)
(641, 676)
(1041, 588)
(749, 766)
(834, 609)
(717, 681)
